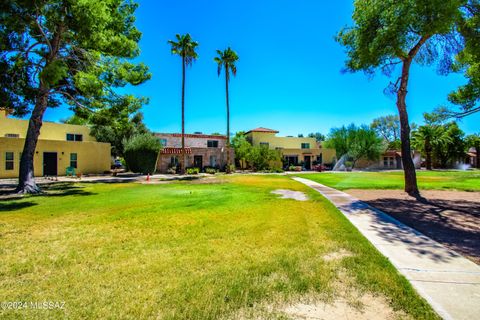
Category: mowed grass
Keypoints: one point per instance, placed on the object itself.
(185, 251)
(427, 180)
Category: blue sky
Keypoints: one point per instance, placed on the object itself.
(289, 74)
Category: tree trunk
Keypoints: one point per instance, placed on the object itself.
(26, 180)
(428, 153)
(408, 166)
(228, 121)
(182, 169)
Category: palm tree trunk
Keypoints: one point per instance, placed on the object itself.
(228, 121)
(408, 166)
(26, 177)
(183, 117)
(428, 153)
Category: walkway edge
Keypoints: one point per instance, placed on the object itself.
(413, 255)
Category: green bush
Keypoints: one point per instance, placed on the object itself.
(193, 170)
(141, 152)
(211, 170)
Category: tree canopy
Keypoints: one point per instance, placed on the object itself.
(391, 33)
(356, 143)
(75, 52)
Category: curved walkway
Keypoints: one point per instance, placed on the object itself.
(448, 281)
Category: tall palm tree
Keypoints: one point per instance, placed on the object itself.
(185, 47)
(226, 60)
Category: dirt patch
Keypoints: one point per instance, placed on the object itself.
(337, 255)
(449, 217)
(290, 194)
(369, 307)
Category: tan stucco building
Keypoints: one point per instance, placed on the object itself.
(59, 146)
(294, 150)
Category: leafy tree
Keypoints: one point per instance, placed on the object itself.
(141, 152)
(467, 97)
(364, 144)
(242, 148)
(319, 137)
(390, 33)
(58, 51)
(114, 124)
(227, 60)
(262, 158)
(300, 135)
(388, 127)
(356, 143)
(185, 48)
(473, 140)
(339, 139)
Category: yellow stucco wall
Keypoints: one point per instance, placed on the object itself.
(291, 146)
(92, 156)
(49, 130)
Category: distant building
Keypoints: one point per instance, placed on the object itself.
(294, 150)
(59, 146)
(201, 151)
(389, 160)
(472, 157)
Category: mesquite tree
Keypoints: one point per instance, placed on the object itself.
(56, 52)
(390, 33)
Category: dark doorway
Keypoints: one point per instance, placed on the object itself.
(308, 163)
(198, 161)
(49, 163)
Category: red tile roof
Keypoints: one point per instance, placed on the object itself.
(261, 129)
(171, 150)
(187, 135)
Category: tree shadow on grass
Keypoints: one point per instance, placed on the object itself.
(12, 206)
(59, 189)
(63, 189)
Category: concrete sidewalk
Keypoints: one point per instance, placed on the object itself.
(448, 281)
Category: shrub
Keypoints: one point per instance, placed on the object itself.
(211, 170)
(141, 152)
(193, 170)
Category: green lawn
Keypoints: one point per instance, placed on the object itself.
(427, 180)
(185, 250)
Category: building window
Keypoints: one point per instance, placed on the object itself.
(9, 159)
(305, 145)
(388, 161)
(291, 160)
(212, 143)
(12, 135)
(173, 161)
(74, 137)
(163, 142)
(213, 161)
(73, 160)
(264, 144)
